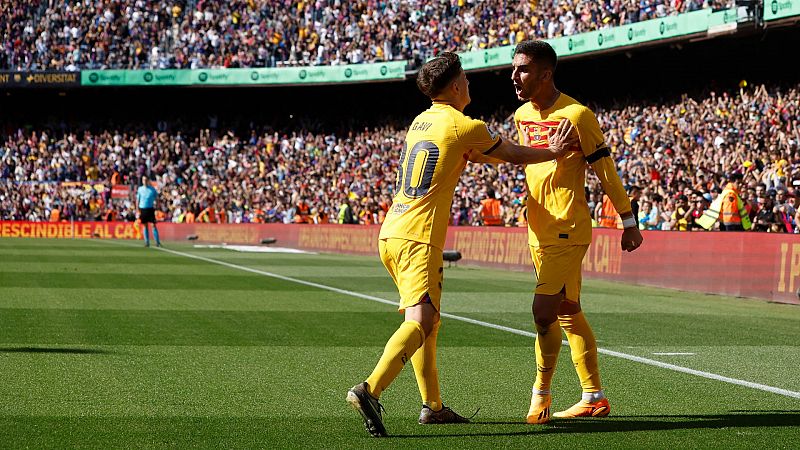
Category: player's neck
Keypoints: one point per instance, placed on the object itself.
(450, 102)
(545, 99)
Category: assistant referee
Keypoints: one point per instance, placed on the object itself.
(146, 197)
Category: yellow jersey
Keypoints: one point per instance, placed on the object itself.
(439, 143)
(557, 210)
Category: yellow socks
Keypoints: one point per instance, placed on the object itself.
(424, 361)
(584, 350)
(400, 347)
(547, 347)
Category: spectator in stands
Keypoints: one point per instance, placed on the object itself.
(785, 211)
(680, 213)
(346, 215)
(491, 210)
(649, 218)
(765, 219)
(696, 210)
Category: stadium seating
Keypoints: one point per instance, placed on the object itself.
(128, 34)
(683, 147)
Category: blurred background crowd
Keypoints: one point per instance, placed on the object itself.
(674, 157)
(190, 34)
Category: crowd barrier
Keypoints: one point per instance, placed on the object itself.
(757, 265)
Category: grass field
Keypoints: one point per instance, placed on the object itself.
(110, 345)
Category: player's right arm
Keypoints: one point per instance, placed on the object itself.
(508, 151)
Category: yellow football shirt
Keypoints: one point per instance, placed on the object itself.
(439, 143)
(557, 210)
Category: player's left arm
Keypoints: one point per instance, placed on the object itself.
(598, 155)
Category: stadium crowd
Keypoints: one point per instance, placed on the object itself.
(674, 157)
(164, 34)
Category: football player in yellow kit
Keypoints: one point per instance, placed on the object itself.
(439, 143)
(559, 227)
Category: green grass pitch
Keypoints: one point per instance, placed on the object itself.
(111, 345)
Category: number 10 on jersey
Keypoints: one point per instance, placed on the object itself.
(415, 174)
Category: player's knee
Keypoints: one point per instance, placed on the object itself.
(543, 323)
(425, 314)
(545, 309)
(429, 322)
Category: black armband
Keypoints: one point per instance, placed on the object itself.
(494, 147)
(601, 153)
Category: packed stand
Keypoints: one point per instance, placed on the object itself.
(179, 34)
(674, 159)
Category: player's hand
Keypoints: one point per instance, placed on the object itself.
(564, 138)
(631, 239)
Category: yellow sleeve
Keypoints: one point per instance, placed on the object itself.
(478, 157)
(475, 136)
(589, 132)
(598, 155)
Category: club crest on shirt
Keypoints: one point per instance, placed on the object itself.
(538, 132)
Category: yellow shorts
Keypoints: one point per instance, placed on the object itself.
(558, 267)
(416, 269)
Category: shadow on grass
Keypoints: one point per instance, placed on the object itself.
(73, 351)
(618, 424)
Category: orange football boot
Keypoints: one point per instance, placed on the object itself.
(600, 408)
(540, 409)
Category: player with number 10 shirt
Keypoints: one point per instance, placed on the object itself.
(439, 143)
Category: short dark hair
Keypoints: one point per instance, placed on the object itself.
(539, 51)
(435, 74)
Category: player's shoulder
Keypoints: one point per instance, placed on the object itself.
(465, 125)
(456, 116)
(569, 107)
(523, 110)
(466, 121)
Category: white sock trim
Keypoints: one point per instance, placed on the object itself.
(591, 397)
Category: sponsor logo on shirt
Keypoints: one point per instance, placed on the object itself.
(399, 208)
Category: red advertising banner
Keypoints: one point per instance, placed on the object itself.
(80, 230)
(759, 265)
(120, 191)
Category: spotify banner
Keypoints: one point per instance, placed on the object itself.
(354, 73)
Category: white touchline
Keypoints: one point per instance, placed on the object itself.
(638, 359)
